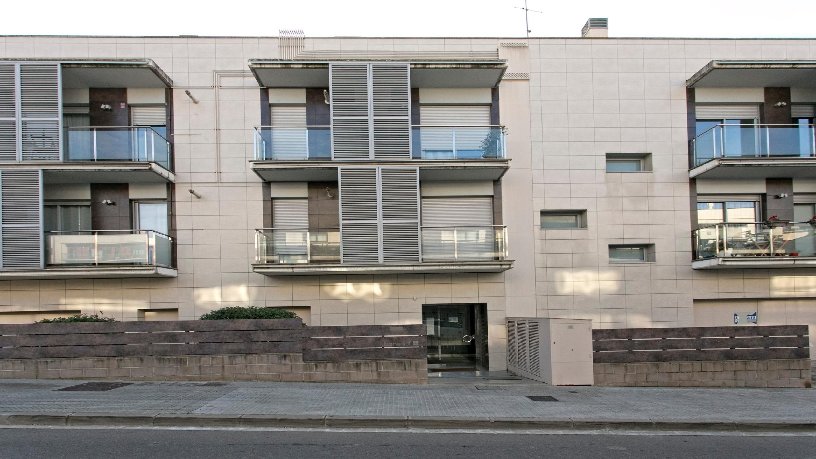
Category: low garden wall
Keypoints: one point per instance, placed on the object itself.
(214, 350)
(762, 356)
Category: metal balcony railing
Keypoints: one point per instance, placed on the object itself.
(463, 243)
(274, 143)
(117, 143)
(754, 141)
(128, 247)
(757, 239)
(439, 244)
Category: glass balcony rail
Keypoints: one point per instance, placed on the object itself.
(463, 243)
(759, 239)
(276, 143)
(287, 246)
(458, 142)
(125, 143)
(129, 247)
(754, 141)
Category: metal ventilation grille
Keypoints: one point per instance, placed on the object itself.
(350, 110)
(512, 345)
(533, 340)
(399, 207)
(40, 111)
(20, 198)
(525, 340)
(359, 227)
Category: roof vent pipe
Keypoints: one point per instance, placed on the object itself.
(596, 28)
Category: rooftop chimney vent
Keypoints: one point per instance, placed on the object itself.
(596, 28)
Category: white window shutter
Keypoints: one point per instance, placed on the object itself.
(727, 112)
(148, 115)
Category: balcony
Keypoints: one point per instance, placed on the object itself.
(103, 254)
(97, 154)
(444, 249)
(754, 151)
(754, 245)
(443, 152)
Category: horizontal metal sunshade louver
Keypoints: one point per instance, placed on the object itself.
(359, 227)
(8, 113)
(20, 199)
(726, 112)
(40, 111)
(290, 213)
(349, 92)
(399, 196)
(391, 104)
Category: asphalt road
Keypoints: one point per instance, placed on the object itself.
(153, 443)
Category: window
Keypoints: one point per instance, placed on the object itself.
(69, 217)
(710, 211)
(563, 219)
(631, 253)
(628, 162)
(151, 216)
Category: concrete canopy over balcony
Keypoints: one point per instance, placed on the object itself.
(755, 167)
(306, 269)
(755, 74)
(89, 272)
(426, 73)
(429, 170)
(113, 73)
(754, 262)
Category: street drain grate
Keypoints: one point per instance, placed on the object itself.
(489, 388)
(542, 398)
(213, 384)
(95, 387)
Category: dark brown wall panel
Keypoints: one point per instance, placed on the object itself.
(115, 216)
(324, 209)
(782, 207)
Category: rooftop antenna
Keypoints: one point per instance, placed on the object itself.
(526, 19)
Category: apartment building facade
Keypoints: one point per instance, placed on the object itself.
(449, 181)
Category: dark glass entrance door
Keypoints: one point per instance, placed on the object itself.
(452, 340)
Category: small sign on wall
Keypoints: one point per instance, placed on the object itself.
(745, 318)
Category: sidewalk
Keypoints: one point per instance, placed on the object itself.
(444, 403)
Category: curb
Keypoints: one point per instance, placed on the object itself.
(388, 422)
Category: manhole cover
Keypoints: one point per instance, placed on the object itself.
(94, 386)
(542, 398)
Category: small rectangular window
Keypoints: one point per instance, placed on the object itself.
(563, 219)
(631, 253)
(628, 162)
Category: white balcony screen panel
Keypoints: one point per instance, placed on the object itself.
(391, 110)
(290, 218)
(349, 89)
(457, 226)
(727, 112)
(803, 111)
(289, 135)
(399, 209)
(148, 115)
(40, 111)
(20, 219)
(444, 139)
(359, 210)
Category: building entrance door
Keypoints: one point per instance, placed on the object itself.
(454, 337)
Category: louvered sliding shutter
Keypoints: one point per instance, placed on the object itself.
(349, 92)
(391, 103)
(8, 113)
(20, 230)
(399, 192)
(289, 136)
(359, 227)
(457, 228)
(40, 111)
(148, 115)
(727, 112)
